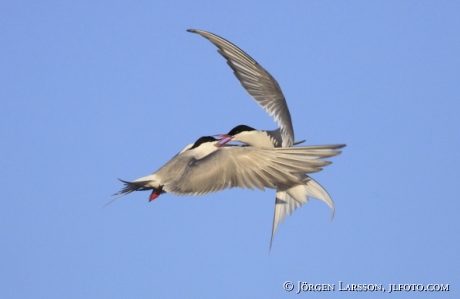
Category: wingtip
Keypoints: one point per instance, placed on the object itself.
(299, 142)
(332, 214)
(271, 243)
(191, 30)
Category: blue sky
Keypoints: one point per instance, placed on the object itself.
(92, 91)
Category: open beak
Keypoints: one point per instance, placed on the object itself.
(223, 140)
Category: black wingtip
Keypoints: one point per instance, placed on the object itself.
(299, 142)
(191, 30)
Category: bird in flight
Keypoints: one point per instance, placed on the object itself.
(267, 159)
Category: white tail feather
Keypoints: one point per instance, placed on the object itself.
(291, 199)
(315, 190)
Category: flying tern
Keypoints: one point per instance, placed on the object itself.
(205, 167)
(266, 91)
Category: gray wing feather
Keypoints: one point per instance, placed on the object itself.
(250, 167)
(257, 82)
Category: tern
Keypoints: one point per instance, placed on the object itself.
(206, 167)
(265, 90)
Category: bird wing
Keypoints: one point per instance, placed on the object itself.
(257, 82)
(250, 167)
(288, 200)
(284, 206)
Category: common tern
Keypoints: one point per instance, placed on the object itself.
(203, 168)
(265, 90)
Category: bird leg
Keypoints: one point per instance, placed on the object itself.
(156, 193)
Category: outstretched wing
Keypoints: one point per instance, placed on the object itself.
(250, 167)
(257, 82)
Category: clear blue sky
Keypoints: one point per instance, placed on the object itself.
(92, 91)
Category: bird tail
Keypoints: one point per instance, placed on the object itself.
(128, 188)
(132, 186)
(287, 201)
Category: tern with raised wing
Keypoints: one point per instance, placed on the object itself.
(265, 90)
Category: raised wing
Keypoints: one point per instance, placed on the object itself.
(257, 82)
(250, 167)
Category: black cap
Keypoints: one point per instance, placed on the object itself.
(202, 140)
(239, 129)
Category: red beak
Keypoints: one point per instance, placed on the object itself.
(224, 140)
